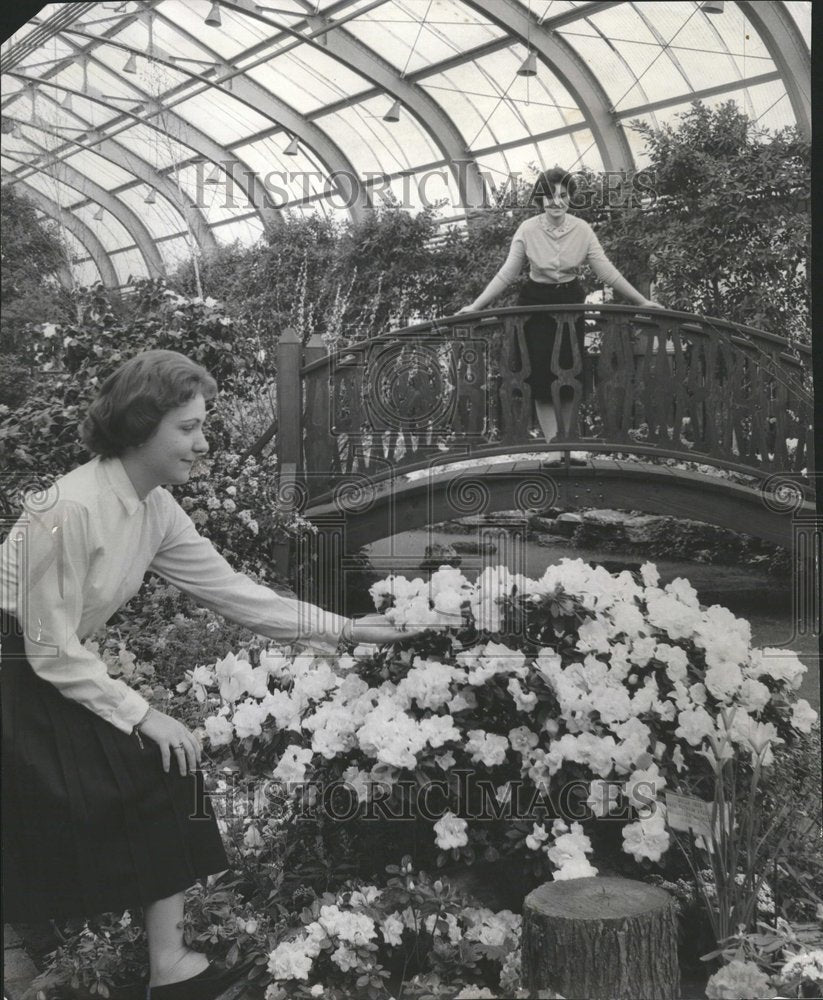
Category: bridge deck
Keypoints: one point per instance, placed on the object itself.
(398, 503)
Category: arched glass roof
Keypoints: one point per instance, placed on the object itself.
(151, 128)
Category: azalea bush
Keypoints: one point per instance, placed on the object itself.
(232, 495)
(367, 940)
(775, 959)
(539, 720)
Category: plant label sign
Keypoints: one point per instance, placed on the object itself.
(686, 812)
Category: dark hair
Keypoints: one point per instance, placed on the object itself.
(134, 400)
(548, 180)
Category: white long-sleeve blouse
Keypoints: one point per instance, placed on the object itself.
(81, 552)
(554, 255)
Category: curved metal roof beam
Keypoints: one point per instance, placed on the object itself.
(65, 277)
(341, 45)
(79, 230)
(189, 135)
(133, 225)
(121, 156)
(575, 75)
(790, 54)
(128, 160)
(242, 175)
(250, 92)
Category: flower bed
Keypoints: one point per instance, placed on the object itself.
(532, 734)
(538, 720)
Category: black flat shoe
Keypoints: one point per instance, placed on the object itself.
(206, 985)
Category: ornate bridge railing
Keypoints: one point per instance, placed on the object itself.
(661, 384)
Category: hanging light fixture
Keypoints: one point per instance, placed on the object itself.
(151, 197)
(66, 102)
(131, 64)
(393, 114)
(713, 7)
(529, 65)
(98, 215)
(213, 17)
(293, 147)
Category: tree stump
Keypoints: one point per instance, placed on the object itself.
(602, 939)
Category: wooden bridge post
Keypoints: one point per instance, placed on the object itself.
(315, 349)
(320, 558)
(289, 400)
(289, 431)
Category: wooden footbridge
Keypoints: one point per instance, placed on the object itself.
(671, 413)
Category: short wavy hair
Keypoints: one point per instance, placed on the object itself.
(548, 180)
(133, 401)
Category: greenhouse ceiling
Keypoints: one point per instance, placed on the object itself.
(151, 130)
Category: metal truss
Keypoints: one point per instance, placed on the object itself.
(79, 230)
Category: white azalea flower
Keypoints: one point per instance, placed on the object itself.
(646, 838)
(219, 730)
(450, 832)
(803, 716)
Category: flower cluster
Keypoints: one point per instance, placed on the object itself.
(580, 675)
(351, 933)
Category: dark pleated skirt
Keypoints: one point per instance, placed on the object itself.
(541, 332)
(91, 823)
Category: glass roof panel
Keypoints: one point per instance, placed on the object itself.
(109, 230)
(374, 145)
(769, 107)
(802, 16)
(502, 168)
(247, 231)
(412, 35)
(236, 33)
(160, 149)
(129, 264)
(473, 95)
(206, 184)
(298, 89)
(174, 252)
(106, 173)
(160, 218)
(307, 78)
(83, 269)
(44, 58)
(287, 178)
(222, 117)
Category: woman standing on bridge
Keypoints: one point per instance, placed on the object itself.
(555, 244)
(100, 790)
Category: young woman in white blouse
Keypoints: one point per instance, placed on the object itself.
(555, 244)
(99, 789)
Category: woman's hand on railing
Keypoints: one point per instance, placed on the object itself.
(466, 309)
(650, 304)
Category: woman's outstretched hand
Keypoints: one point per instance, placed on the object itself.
(173, 738)
(650, 304)
(376, 629)
(466, 309)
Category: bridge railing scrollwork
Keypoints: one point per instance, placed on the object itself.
(661, 384)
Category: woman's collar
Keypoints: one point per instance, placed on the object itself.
(555, 230)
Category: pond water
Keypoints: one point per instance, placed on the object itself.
(766, 603)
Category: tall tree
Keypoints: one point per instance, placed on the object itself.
(724, 228)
